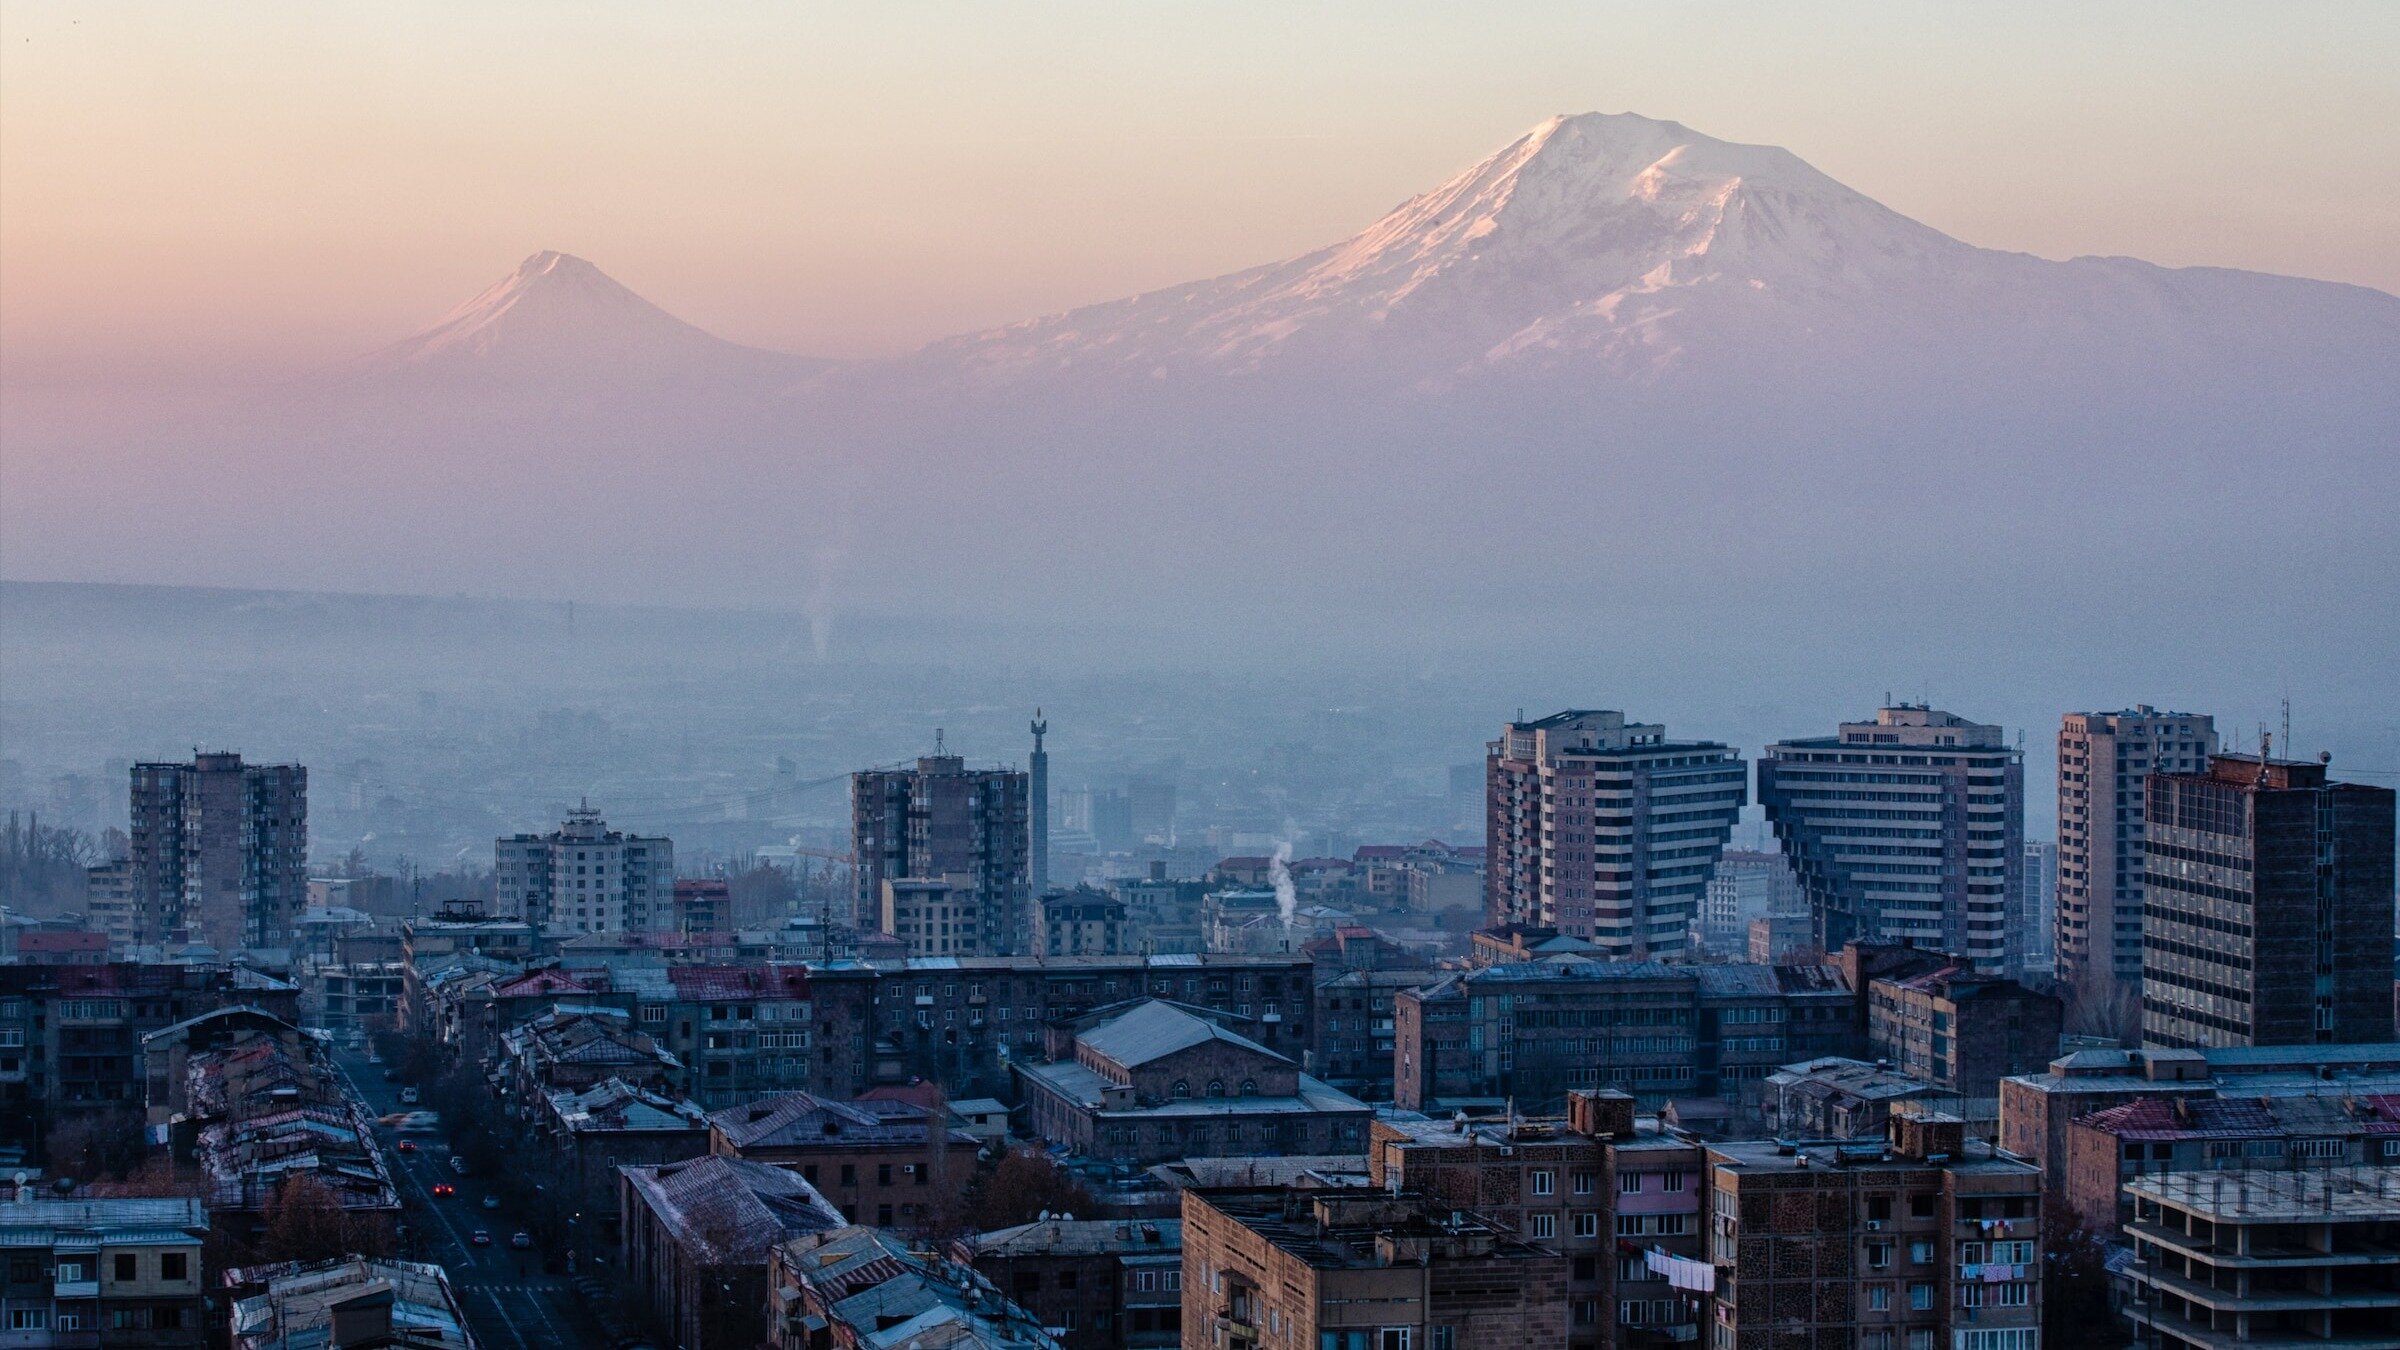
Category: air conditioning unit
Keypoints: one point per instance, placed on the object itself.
(1874, 1225)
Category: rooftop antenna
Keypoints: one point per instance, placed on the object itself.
(937, 742)
(2287, 720)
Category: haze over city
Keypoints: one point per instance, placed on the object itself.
(1099, 677)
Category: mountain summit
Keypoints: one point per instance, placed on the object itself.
(557, 318)
(1606, 242)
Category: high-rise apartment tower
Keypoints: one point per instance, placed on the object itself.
(2267, 907)
(2104, 758)
(586, 878)
(1606, 830)
(1907, 829)
(219, 851)
(939, 820)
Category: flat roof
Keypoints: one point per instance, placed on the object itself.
(2254, 1195)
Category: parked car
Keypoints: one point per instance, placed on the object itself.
(443, 1190)
(521, 1240)
(408, 1146)
(481, 1238)
(408, 1096)
(491, 1202)
(458, 1164)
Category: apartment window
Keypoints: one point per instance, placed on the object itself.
(1586, 1183)
(1920, 1252)
(28, 1319)
(1394, 1338)
(1587, 1225)
(1920, 1338)
(1445, 1338)
(1672, 1182)
(1879, 1298)
(1879, 1256)
(127, 1266)
(1545, 1183)
(1879, 1209)
(1920, 1297)
(170, 1266)
(1545, 1225)
(1629, 1183)
(1920, 1206)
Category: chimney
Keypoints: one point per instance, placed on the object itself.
(1928, 1138)
(1602, 1113)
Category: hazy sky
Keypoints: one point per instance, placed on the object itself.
(283, 182)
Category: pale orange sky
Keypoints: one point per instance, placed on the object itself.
(273, 184)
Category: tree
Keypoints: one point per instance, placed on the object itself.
(1024, 1184)
(305, 1221)
(761, 897)
(2100, 1004)
(2075, 1282)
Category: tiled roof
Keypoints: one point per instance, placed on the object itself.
(709, 983)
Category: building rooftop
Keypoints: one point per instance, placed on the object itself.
(1366, 1230)
(1083, 1237)
(1154, 1029)
(1974, 1157)
(1085, 1088)
(2251, 1195)
(724, 1206)
(802, 1119)
(296, 1310)
(616, 1106)
(179, 1218)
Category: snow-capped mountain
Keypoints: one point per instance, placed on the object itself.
(557, 318)
(1614, 242)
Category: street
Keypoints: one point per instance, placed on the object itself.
(510, 1302)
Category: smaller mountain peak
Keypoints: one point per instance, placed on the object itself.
(552, 263)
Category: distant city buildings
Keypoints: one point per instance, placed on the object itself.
(1747, 887)
(219, 852)
(1907, 829)
(2104, 761)
(585, 878)
(2268, 907)
(942, 821)
(1605, 830)
(2041, 907)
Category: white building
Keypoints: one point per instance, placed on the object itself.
(2103, 760)
(586, 878)
(1746, 886)
(1906, 829)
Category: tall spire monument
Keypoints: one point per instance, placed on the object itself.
(1039, 812)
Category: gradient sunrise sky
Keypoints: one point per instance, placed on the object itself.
(260, 185)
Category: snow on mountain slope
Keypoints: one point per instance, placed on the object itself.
(559, 318)
(1602, 240)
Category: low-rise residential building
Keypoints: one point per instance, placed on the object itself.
(2248, 1257)
(344, 997)
(573, 1047)
(859, 1288)
(702, 905)
(886, 1162)
(1157, 1080)
(2036, 1109)
(71, 1036)
(1928, 1239)
(355, 1303)
(1962, 1031)
(1097, 1284)
(259, 1107)
(2158, 1135)
(1360, 1270)
(1836, 1098)
(585, 1136)
(1533, 1030)
(103, 1272)
(1080, 922)
(1599, 1185)
(1356, 1028)
(695, 1241)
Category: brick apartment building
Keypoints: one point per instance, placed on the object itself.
(1360, 1270)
